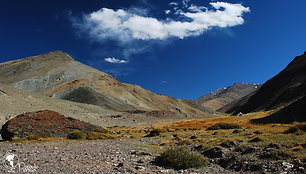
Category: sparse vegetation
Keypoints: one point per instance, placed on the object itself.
(256, 139)
(180, 158)
(229, 143)
(38, 136)
(102, 131)
(296, 128)
(76, 135)
(223, 125)
(98, 135)
(156, 132)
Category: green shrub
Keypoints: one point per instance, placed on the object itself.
(292, 130)
(302, 127)
(102, 131)
(156, 132)
(296, 128)
(38, 136)
(76, 135)
(222, 125)
(98, 135)
(180, 158)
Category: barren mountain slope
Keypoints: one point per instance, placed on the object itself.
(224, 96)
(56, 74)
(15, 101)
(283, 89)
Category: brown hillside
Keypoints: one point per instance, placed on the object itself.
(56, 74)
(224, 96)
(286, 88)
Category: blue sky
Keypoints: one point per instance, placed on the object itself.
(178, 48)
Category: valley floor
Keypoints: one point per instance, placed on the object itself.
(99, 156)
(248, 148)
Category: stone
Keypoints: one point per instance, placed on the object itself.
(44, 122)
(215, 152)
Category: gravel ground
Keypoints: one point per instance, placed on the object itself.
(101, 156)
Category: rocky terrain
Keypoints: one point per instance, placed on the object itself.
(58, 75)
(101, 156)
(44, 123)
(283, 90)
(14, 102)
(255, 149)
(49, 92)
(223, 96)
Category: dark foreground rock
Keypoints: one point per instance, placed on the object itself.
(43, 122)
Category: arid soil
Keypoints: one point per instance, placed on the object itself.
(100, 156)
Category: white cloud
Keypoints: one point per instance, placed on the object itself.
(195, 8)
(173, 3)
(114, 60)
(163, 82)
(185, 3)
(126, 26)
(167, 11)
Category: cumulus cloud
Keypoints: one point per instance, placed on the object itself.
(125, 25)
(195, 8)
(114, 60)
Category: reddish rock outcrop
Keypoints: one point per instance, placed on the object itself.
(43, 122)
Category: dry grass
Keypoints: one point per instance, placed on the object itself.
(180, 133)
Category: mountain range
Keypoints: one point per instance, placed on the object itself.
(55, 81)
(223, 96)
(285, 91)
(57, 75)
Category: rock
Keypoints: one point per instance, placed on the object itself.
(254, 167)
(287, 165)
(229, 143)
(139, 167)
(245, 149)
(44, 122)
(198, 148)
(273, 145)
(120, 165)
(274, 155)
(231, 162)
(215, 152)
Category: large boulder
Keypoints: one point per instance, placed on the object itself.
(43, 122)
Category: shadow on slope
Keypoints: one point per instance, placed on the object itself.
(89, 95)
(294, 112)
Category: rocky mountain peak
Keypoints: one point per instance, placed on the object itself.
(223, 96)
(58, 55)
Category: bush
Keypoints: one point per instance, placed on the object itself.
(180, 158)
(38, 136)
(76, 135)
(291, 130)
(296, 128)
(222, 125)
(156, 132)
(102, 131)
(98, 135)
(302, 127)
(255, 140)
